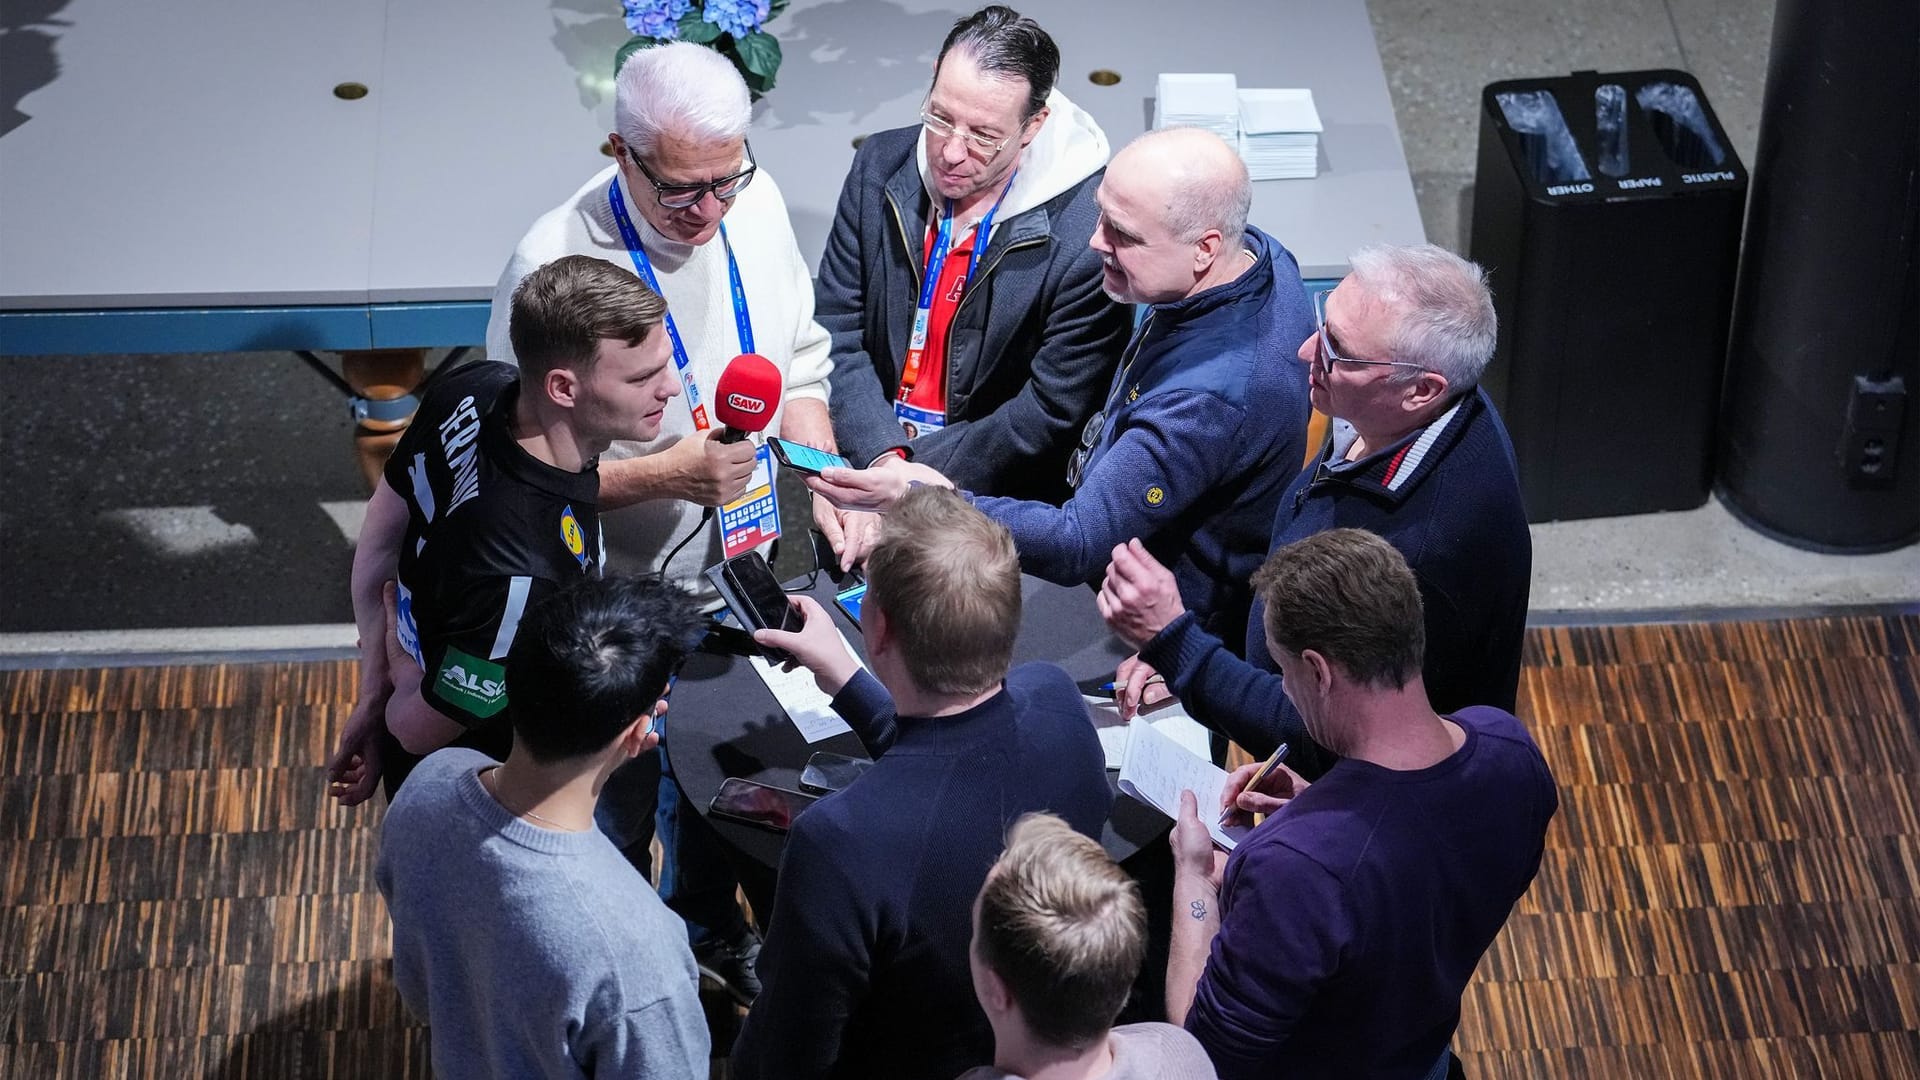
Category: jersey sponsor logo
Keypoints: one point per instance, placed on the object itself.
(573, 537)
(476, 685)
(1156, 495)
(747, 403)
(408, 631)
(460, 442)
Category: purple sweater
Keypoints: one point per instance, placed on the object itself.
(1352, 919)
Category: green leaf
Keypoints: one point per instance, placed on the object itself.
(760, 54)
(698, 30)
(774, 8)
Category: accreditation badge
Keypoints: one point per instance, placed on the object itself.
(753, 518)
(917, 422)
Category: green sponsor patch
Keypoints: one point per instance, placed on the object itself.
(478, 686)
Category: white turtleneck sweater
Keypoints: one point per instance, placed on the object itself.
(694, 280)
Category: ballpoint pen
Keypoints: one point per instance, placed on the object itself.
(1279, 755)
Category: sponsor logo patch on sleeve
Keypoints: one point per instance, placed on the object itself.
(1155, 495)
(476, 685)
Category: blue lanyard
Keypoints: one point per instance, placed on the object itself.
(643, 266)
(937, 258)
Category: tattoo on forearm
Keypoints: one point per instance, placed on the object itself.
(1198, 909)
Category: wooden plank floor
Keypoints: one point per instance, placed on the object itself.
(1732, 887)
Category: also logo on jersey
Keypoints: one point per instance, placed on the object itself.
(746, 403)
(1156, 495)
(470, 683)
(574, 538)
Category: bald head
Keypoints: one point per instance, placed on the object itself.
(1173, 208)
(1200, 181)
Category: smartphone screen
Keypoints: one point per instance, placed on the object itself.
(849, 600)
(757, 804)
(805, 458)
(756, 587)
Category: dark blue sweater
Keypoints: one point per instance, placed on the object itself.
(1351, 920)
(1448, 498)
(865, 964)
(1206, 423)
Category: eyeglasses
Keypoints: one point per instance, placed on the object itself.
(1097, 424)
(1328, 357)
(681, 196)
(1089, 437)
(977, 144)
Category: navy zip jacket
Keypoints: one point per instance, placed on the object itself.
(1031, 345)
(1448, 498)
(865, 963)
(1206, 423)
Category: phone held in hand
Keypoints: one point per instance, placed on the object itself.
(828, 772)
(803, 458)
(759, 805)
(755, 597)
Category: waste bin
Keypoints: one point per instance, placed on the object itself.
(1607, 213)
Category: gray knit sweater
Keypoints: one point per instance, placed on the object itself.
(530, 952)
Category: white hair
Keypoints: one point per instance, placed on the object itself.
(1445, 320)
(682, 88)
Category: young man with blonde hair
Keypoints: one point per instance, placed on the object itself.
(1059, 933)
(865, 967)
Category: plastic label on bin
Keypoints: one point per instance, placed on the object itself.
(1549, 147)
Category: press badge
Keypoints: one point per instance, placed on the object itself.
(753, 518)
(917, 422)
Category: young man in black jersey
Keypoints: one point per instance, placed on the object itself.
(487, 506)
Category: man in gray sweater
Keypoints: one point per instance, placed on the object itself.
(521, 935)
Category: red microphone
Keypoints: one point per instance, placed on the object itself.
(746, 396)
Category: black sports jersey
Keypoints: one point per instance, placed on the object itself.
(491, 530)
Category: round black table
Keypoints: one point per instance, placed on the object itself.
(724, 722)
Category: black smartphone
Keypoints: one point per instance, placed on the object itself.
(759, 805)
(827, 772)
(803, 458)
(761, 603)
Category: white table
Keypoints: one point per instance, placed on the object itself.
(189, 182)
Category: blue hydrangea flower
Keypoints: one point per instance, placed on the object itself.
(736, 17)
(655, 18)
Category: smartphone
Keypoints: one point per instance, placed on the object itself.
(803, 458)
(759, 805)
(827, 772)
(758, 600)
(849, 601)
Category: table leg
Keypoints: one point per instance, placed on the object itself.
(382, 376)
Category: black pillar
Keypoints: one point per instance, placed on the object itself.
(1819, 425)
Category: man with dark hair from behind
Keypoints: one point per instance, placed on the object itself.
(1059, 932)
(1345, 927)
(521, 935)
(865, 967)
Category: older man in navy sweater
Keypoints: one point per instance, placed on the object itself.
(1204, 421)
(865, 967)
(1416, 454)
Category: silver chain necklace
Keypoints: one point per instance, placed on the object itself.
(494, 790)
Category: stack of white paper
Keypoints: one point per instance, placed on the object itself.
(1203, 101)
(1279, 134)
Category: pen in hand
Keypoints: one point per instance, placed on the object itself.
(1279, 755)
(1116, 687)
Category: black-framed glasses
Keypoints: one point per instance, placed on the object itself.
(681, 196)
(1328, 357)
(977, 144)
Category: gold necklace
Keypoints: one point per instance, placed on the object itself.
(494, 790)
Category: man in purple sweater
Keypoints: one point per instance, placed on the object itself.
(1343, 930)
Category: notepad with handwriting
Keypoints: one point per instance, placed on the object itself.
(1157, 769)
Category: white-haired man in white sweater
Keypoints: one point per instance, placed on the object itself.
(685, 206)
